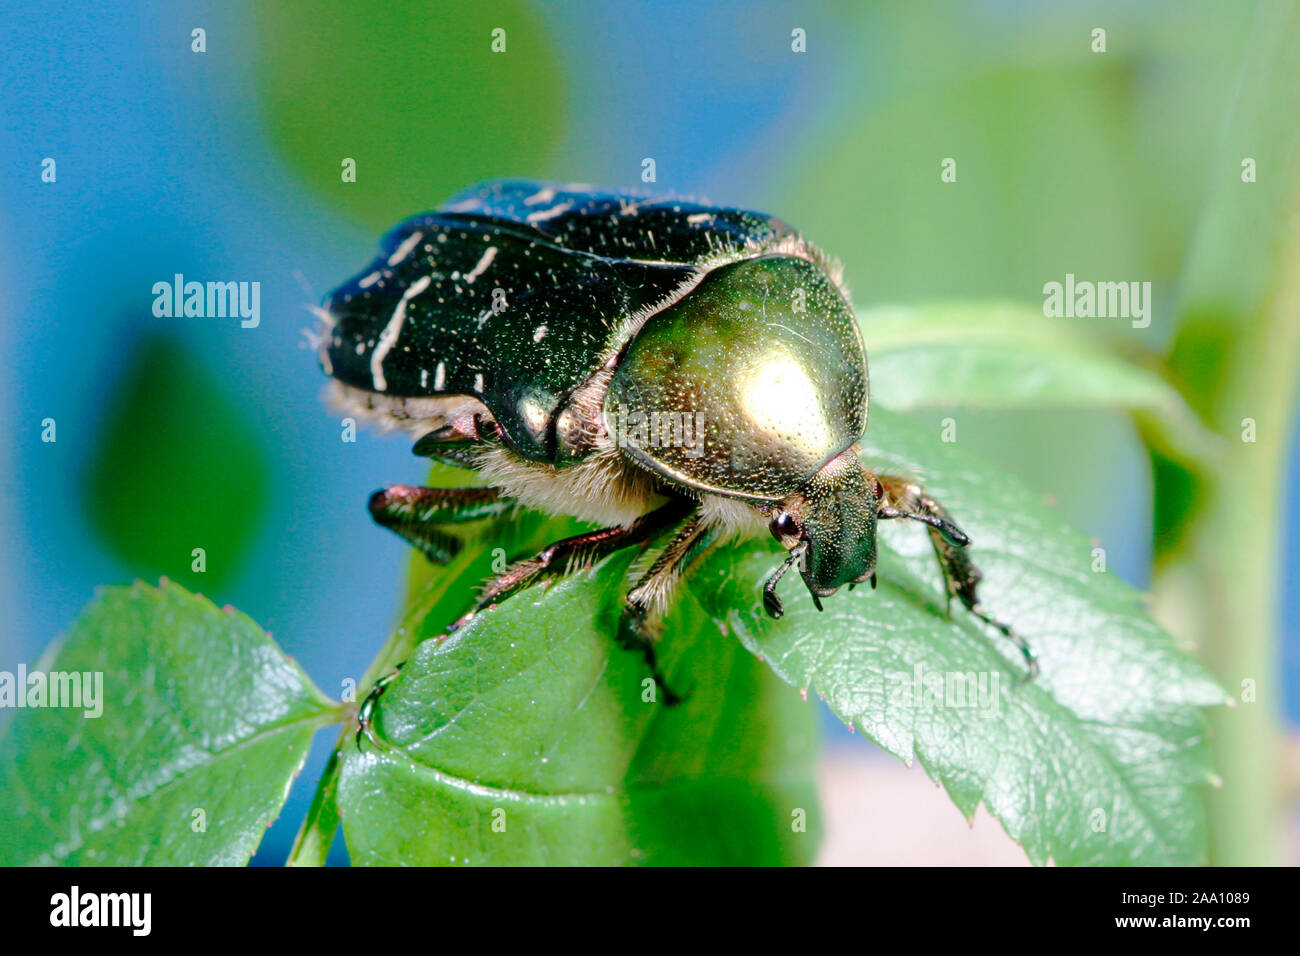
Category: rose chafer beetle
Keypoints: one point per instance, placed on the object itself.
(676, 373)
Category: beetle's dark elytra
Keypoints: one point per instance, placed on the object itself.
(511, 292)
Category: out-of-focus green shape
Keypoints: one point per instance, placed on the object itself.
(176, 466)
(1004, 355)
(414, 94)
(204, 723)
(1066, 160)
(1237, 357)
(1229, 284)
(1235, 259)
(526, 739)
(876, 200)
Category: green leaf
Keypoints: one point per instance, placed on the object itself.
(1001, 355)
(533, 720)
(204, 724)
(1097, 761)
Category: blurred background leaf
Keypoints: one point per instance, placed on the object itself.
(1055, 149)
(414, 94)
(177, 465)
(1003, 355)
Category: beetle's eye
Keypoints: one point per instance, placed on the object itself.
(784, 525)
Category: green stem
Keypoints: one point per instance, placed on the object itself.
(312, 845)
(1222, 591)
(1237, 356)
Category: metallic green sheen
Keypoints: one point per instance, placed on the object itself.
(766, 356)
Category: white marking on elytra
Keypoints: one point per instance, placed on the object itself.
(478, 382)
(543, 214)
(417, 415)
(391, 331)
(541, 196)
(483, 263)
(404, 250)
(484, 317)
(700, 217)
(440, 376)
(539, 333)
(424, 378)
(369, 280)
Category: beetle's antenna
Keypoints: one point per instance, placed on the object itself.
(772, 603)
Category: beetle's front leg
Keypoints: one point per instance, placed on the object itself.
(415, 513)
(900, 498)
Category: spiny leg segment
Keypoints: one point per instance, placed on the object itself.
(641, 624)
(415, 513)
(459, 443)
(579, 551)
(901, 498)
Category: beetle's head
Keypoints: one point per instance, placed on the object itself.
(829, 527)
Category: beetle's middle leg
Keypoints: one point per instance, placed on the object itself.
(641, 623)
(415, 513)
(901, 498)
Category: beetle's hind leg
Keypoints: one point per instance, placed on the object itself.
(415, 513)
(641, 624)
(900, 498)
